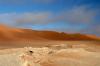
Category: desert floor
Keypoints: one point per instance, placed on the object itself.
(64, 53)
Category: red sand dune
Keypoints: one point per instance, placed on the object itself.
(10, 34)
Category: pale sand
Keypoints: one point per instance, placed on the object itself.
(76, 55)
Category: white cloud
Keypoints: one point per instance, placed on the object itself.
(75, 15)
(32, 18)
(25, 18)
(79, 15)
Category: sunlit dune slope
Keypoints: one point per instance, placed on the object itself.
(9, 34)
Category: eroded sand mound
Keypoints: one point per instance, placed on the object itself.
(46, 56)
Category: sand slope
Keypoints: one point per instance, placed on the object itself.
(16, 34)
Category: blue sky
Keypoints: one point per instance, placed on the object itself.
(72, 16)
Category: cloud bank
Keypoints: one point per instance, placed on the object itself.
(76, 16)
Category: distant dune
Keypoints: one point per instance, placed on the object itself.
(15, 34)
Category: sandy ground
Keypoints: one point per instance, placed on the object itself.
(70, 53)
